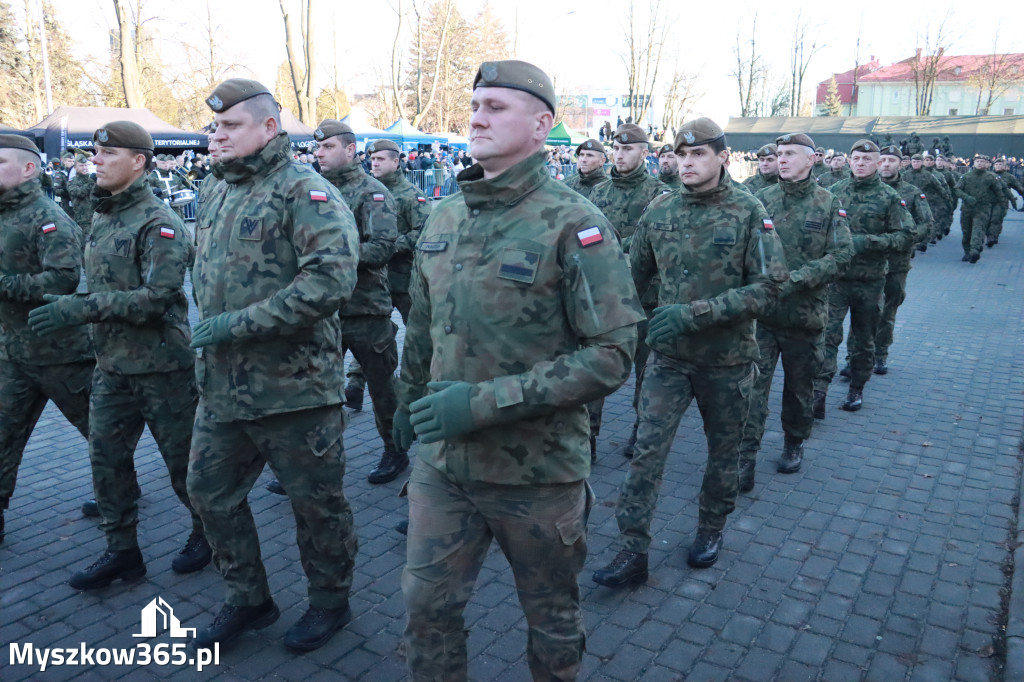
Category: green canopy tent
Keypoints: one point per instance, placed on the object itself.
(562, 134)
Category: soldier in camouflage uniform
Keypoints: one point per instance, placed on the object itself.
(837, 171)
(135, 263)
(914, 146)
(413, 209)
(879, 224)
(933, 187)
(80, 196)
(668, 169)
(944, 168)
(942, 211)
(815, 236)
(40, 254)
(165, 180)
(60, 181)
(366, 326)
(623, 199)
(590, 160)
(1010, 182)
(719, 264)
(820, 167)
(277, 256)
(523, 310)
(982, 195)
(895, 291)
(767, 169)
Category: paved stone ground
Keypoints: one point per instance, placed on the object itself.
(881, 560)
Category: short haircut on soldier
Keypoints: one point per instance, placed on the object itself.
(262, 107)
(346, 139)
(718, 145)
(25, 156)
(391, 153)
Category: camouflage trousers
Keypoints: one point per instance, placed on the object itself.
(306, 453)
(862, 300)
(801, 351)
(723, 396)
(120, 406)
(894, 293)
(942, 216)
(596, 408)
(542, 531)
(995, 228)
(403, 304)
(372, 342)
(975, 222)
(24, 390)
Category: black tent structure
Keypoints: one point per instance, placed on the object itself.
(300, 134)
(968, 134)
(74, 126)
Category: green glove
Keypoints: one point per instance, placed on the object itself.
(213, 330)
(60, 312)
(670, 321)
(402, 431)
(443, 414)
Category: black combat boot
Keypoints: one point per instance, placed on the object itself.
(819, 405)
(630, 446)
(975, 257)
(854, 399)
(704, 550)
(275, 487)
(91, 510)
(402, 527)
(746, 475)
(232, 621)
(881, 367)
(316, 627)
(966, 258)
(792, 455)
(627, 568)
(194, 556)
(354, 398)
(124, 565)
(845, 372)
(392, 463)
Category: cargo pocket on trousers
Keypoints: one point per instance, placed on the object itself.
(572, 526)
(324, 437)
(746, 384)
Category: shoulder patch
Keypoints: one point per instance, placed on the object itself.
(377, 196)
(167, 232)
(422, 200)
(591, 235)
(317, 195)
(903, 203)
(842, 212)
(48, 228)
(768, 224)
(923, 196)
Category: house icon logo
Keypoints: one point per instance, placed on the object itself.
(159, 612)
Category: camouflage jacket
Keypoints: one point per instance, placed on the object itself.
(983, 186)
(584, 183)
(819, 169)
(82, 201)
(1010, 181)
(277, 244)
(377, 221)
(413, 209)
(40, 253)
(624, 198)
(933, 187)
(135, 263)
(832, 177)
(60, 189)
(717, 251)
(670, 179)
(815, 236)
(951, 179)
(879, 223)
(916, 202)
(757, 182)
(520, 287)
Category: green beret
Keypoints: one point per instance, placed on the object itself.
(697, 132)
(383, 146)
(917, 157)
(81, 156)
(66, 155)
(998, 159)
(124, 134)
(891, 150)
(13, 141)
(516, 75)
(329, 128)
(864, 146)
(795, 138)
(666, 148)
(819, 150)
(591, 146)
(630, 133)
(768, 150)
(232, 91)
(982, 156)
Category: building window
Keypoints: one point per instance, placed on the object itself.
(958, 71)
(953, 96)
(953, 112)
(1007, 112)
(895, 96)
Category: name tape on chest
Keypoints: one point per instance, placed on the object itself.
(317, 195)
(167, 232)
(377, 196)
(48, 228)
(768, 224)
(591, 235)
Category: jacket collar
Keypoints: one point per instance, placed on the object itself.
(133, 194)
(507, 189)
(276, 154)
(22, 195)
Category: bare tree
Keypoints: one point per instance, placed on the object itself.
(126, 41)
(800, 58)
(424, 81)
(926, 66)
(856, 64)
(749, 73)
(995, 75)
(644, 46)
(680, 97)
(302, 64)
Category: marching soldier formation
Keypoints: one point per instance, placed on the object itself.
(526, 302)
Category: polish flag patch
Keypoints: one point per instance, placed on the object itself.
(903, 203)
(768, 224)
(167, 232)
(317, 195)
(422, 200)
(378, 196)
(923, 196)
(842, 212)
(591, 235)
(48, 228)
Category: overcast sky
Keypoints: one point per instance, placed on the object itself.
(580, 43)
